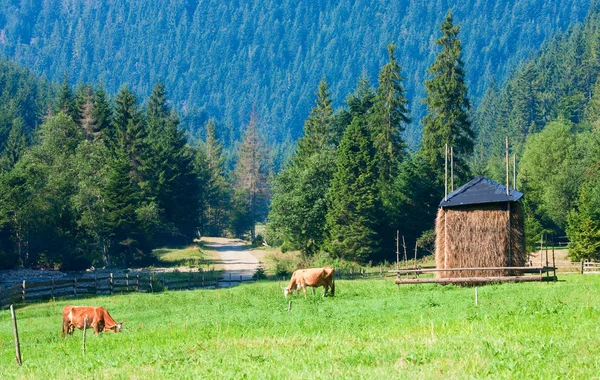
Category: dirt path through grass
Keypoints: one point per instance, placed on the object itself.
(235, 258)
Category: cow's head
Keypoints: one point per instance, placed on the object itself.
(286, 291)
(117, 327)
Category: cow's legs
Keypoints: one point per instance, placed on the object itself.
(65, 328)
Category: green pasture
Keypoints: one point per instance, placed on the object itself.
(371, 329)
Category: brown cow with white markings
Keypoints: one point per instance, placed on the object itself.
(313, 277)
(98, 318)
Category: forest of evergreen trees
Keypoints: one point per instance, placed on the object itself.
(222, 59)
(88, 178)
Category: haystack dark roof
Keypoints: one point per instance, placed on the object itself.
(480, 190)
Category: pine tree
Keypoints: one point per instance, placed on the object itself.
(390, 113)
(86, 114)
(15, 146)
(130, 132)
(102, 114)
(354, 197)
(121, 199)
(299, 204)
(210, 160)
(317, 128)
(251, 174)
(66, 101)
(447, 119)
(169, 173)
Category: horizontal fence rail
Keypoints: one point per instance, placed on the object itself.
(27, 291)
(108, 284)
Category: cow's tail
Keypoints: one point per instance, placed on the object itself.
(332, 274)
(333, 284)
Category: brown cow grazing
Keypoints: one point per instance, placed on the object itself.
(313, 277)
(98, 318)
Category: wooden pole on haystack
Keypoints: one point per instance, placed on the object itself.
(451, 168)
(509, 236)
(515, 171)
(507, 183)
(446, 175)
(445, 200)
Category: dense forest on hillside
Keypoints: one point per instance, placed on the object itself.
(223, 59)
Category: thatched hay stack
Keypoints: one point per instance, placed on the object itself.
(478, 236)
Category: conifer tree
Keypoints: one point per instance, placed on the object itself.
(354, 197)
(390, 114)
(447, 119)
(211, 160)
(299, 206)
(66, 101)
(251, 174)
(317, 128)
(129, 130)
(15, 146)
(102, 114)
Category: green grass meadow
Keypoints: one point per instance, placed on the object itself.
(371, 329)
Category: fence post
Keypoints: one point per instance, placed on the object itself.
(52, 289)
(127, 281)
(137, 283)
(203, 279)
(581, 266)
(23, 291)
(110, 284)
(95, 284)
(230, 280)
(190, 280)
(16, 333)
(75, 287)
(240, 279)
(150, 283)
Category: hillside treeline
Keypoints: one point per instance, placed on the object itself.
(220, 59)
(103, 181)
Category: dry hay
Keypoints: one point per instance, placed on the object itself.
(477, 237)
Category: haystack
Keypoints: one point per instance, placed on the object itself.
(480, 226)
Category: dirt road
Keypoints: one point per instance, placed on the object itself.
(235, 260)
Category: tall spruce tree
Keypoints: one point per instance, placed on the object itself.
(66, 101)
(299, 206)
(217, 190)
(317, 128)
(388, 119)
(102, 114)
(15, 146)
(447, 119)
(251, 177)
(354, 198)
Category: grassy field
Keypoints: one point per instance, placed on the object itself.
(370, 329)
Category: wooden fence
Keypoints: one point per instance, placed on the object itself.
(109, 284)
(590, 267)
(28, 291)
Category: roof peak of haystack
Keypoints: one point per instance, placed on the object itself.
(480, 190)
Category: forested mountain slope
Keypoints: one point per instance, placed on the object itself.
(221, 59)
